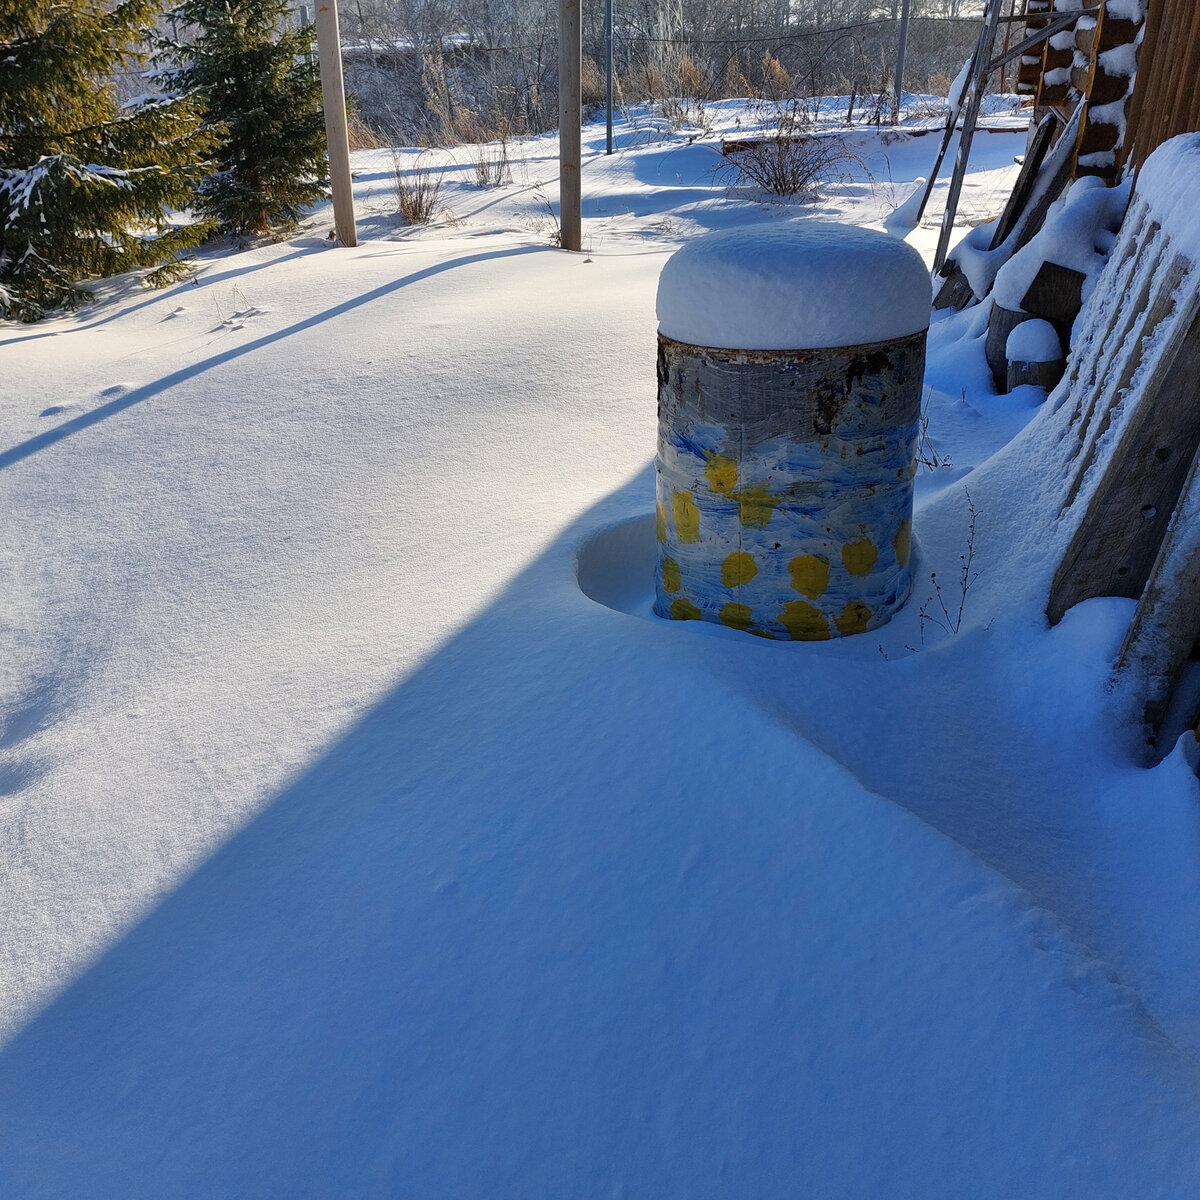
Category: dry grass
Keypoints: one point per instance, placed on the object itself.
(362, 136)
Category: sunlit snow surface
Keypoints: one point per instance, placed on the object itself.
(365, 835)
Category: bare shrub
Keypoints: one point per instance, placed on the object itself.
(787, 164)
(492, 167)
(927, 455)
(948, 617)
(417, 189)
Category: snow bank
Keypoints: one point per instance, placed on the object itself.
(1167, 182)
(1077, 234)
(800, 284)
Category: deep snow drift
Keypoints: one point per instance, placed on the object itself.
(365, 834)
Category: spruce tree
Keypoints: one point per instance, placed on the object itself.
(259, 83)
(86, 186)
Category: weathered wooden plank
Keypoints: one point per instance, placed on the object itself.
(1161, 330)
(1022, 191)
(955, 291)
(1115, 545)
(1139, 302)
(1166, 624)
(1111, 290)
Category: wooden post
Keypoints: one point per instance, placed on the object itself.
(337, 138)
(901, 45)
(608, 75)
(570, 135)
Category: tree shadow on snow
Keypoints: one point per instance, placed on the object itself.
(32, 445)
(543, 923)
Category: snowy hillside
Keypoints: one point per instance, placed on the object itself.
(364, 834)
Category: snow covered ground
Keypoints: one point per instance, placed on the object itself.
(365, 835)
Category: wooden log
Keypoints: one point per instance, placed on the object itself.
(1055, 295)
(1001, 322)
(1040, 374)
(1147, 338)
(1115, 545)
(1166, 624)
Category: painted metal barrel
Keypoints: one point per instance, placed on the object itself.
(785, 475)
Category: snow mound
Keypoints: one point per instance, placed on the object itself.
(1033, 342)
(803, 284)
(1167, 182)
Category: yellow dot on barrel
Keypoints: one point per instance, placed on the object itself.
(804, 622)
(687, 517)
(902, 542)
(755, 506)
(670, 572)
(660, 522)
(810, 574)
(854, 618)
(737, 616)
(737, 569)
(722, 473)
(684, 610)
(859, 557)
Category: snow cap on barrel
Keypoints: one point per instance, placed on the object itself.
(793, 285)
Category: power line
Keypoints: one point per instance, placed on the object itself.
(779, 39)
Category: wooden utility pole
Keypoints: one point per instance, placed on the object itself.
(901, 46)
(608, 75)
(570, 135)
(333, 97)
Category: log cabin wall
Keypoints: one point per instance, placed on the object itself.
(1103, 74)
(1166, 99)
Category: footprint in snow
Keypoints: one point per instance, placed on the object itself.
(174, 313)
(57, 410)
